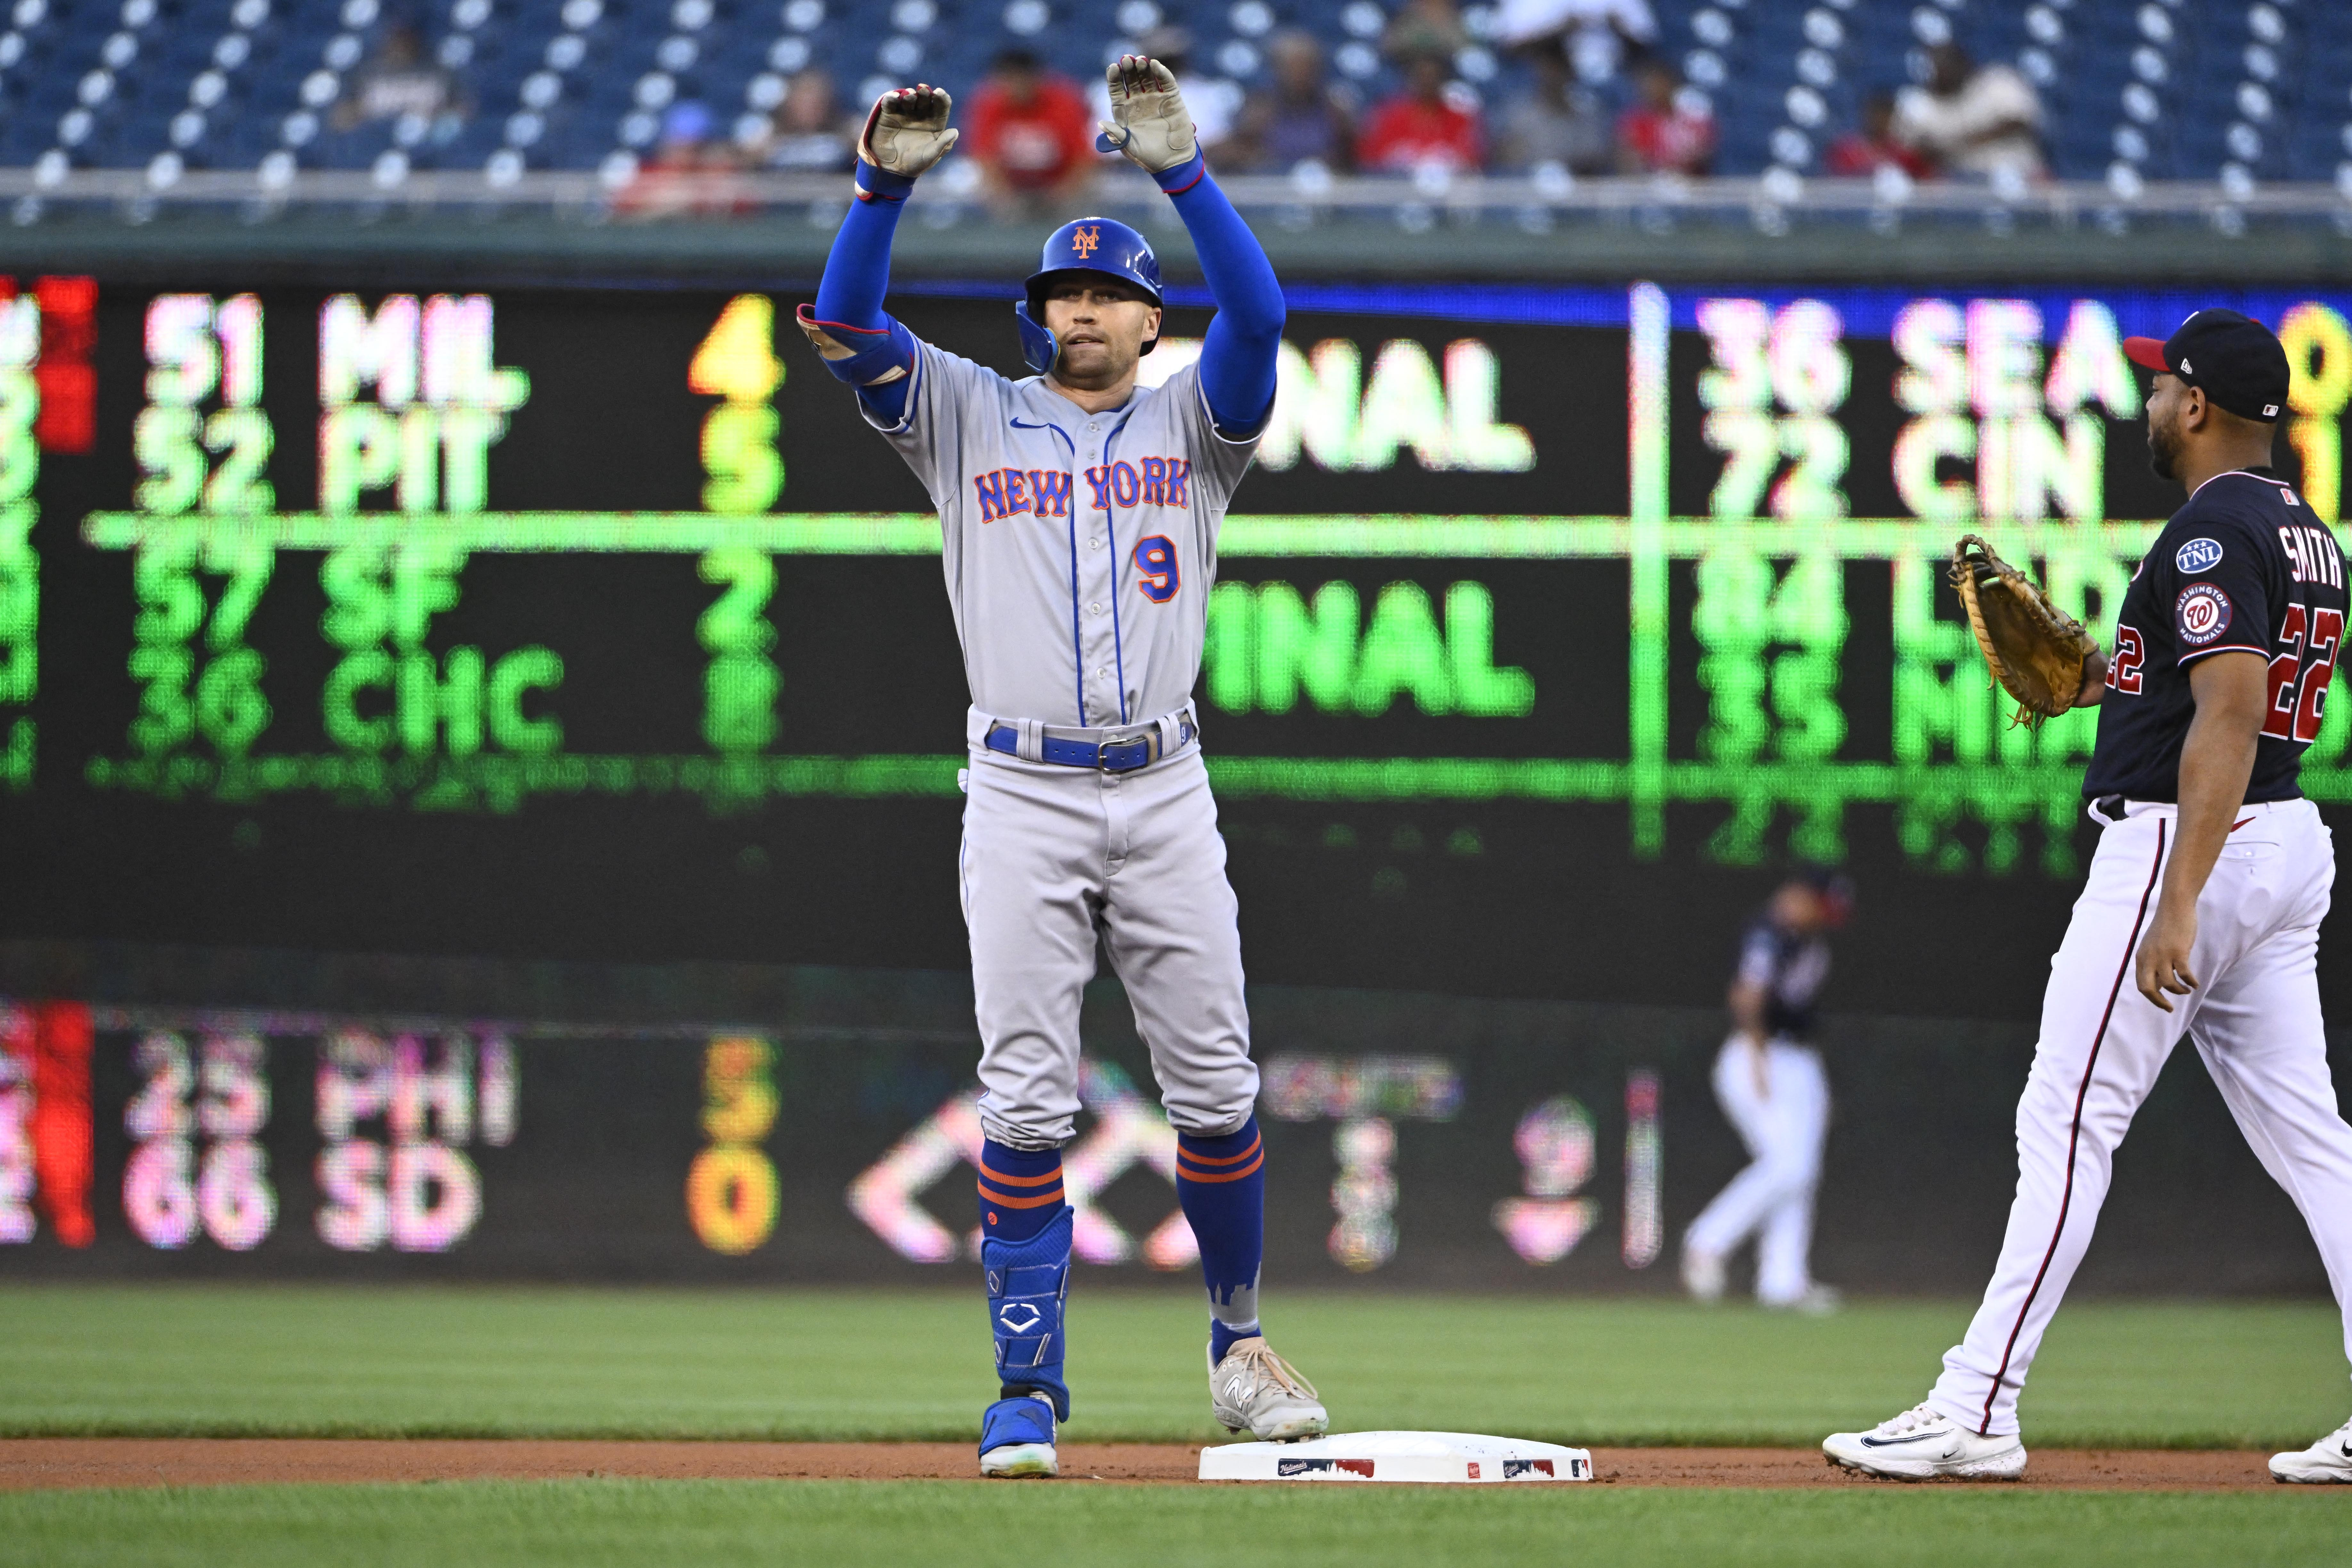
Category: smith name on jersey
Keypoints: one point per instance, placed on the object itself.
(2244, 567)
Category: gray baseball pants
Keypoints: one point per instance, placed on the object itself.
(1055, 857)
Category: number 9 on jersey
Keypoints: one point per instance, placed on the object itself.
(1155, 562)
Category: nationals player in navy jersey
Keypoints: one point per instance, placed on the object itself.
(2200, 914)
(1768, 1080)
(1079, 516)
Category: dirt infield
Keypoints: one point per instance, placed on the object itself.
(29, 1464)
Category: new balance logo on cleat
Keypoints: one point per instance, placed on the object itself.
(1254, 1389)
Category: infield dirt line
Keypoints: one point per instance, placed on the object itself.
(33, 1463)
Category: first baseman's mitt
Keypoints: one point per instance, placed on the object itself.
(2036, 650)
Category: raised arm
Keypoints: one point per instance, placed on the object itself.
(906, 132)
(1237, 362)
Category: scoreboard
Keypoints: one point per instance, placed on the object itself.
(594, 623)
(1425, 1141)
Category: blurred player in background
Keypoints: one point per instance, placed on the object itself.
(1772, 1087)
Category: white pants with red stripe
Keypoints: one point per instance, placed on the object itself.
(1779, 1105)
(2254, 1018)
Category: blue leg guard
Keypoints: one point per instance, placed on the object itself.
(1028, 1283)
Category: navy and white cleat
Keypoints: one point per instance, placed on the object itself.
(2329, 1459)
(1255, 1390)
(1921, 1445)
(1016, 1438)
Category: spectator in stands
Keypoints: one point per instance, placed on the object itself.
(1557, 121)
(690, 174)
(1983, 124)
(1031, 135)
(1214, 101)
(400, 83)
(1599, 36)
(1871, 146)
(1424, 125)
(1668, 131)
(1424, 27)
(1303, 118)
(808, 134)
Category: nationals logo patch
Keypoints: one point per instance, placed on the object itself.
(2202, 614)
(2199, 555)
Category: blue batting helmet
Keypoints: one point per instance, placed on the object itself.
(1087, 244)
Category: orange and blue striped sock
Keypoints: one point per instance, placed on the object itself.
(1020, 1190)
(1221, 1182)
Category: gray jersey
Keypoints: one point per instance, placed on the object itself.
(1080, 548)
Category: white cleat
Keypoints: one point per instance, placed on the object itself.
(2329, 1459)
(1703, 1275)
(1255, 1390)
(1922, 1443)
(1818, 1301)
(1016, 1461)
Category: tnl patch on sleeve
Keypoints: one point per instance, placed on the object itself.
(2198, 556)
(2202, 614)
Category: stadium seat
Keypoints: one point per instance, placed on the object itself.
(2133, 90)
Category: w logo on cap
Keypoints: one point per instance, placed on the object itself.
(1084, 242)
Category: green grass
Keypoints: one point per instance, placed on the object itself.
(226, 1360)
(839, 1523)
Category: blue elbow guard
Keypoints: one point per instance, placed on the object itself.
(1027, 1284)
(862, 356)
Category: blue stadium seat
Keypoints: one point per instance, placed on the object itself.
(2234, 90)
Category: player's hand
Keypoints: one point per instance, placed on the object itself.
(2162, 963)
(1153, 126)
(2095, 680)
(907, 129)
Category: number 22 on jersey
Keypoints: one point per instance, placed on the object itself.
(2300, 672)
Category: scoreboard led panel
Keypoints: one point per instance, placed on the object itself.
(425, 601)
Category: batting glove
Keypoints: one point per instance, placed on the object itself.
(907, 130)
(1154, 129)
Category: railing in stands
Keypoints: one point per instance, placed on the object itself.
(30, 195)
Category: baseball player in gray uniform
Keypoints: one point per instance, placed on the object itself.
(1078, 518)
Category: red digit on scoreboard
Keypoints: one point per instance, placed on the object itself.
(61, 1119)
(68, 379)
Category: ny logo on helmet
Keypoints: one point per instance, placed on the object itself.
(1084, 242)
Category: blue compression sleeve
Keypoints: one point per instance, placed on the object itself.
(857, 273)
(1237, 362)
